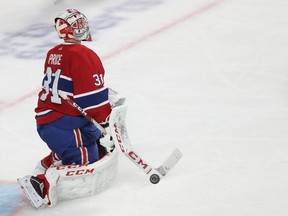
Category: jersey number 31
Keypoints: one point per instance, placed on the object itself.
(55, 98)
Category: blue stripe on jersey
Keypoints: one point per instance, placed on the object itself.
(65, 85)
(92, 99)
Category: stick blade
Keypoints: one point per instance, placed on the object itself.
(170, 162)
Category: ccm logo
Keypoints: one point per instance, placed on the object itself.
(72, 170)
(79, 172)
(134, 157)
(119, 140)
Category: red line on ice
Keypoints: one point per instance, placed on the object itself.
(126, 47)
(164, 28)
(6, 105)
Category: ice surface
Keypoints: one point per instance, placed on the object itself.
(208, 77)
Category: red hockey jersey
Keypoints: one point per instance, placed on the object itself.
(78, 71)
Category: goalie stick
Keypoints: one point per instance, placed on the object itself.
(120, 137)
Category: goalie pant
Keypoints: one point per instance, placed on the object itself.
(73, 139)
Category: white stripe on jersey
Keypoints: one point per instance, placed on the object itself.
(89, 93)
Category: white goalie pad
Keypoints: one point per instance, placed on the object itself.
(76, 181)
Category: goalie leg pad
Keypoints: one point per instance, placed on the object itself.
(77, 181)
(70, 181)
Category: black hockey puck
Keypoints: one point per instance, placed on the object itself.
(154, 179)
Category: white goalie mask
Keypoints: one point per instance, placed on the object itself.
(72, 24)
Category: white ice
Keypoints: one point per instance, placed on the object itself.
(206, 76)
